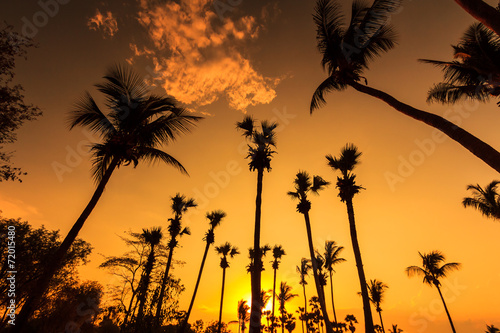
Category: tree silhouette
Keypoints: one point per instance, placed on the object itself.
(303, 271)
(332, 258)
(224, 250)
(486, 200)
(376, 291)
(351, 320)
(136, 125)
(492, 329)
(432, 272)
(243, 315)
(483, 12)
(284, 296)
(278, 252)
(348, 50)
(302, 186)
(346, 184)
(260, 153)
(395, 329)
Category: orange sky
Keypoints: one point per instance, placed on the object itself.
(260, 57)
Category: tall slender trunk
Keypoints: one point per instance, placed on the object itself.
(305, 306)
(446, 309)
(219, 329)
(274, 294)
(333, 304)
(144, 286)
(381, 322)
(127, 313)
(482, 12)
(477, 147)
(359, 264)
(163, 287)
(319, 289)
(255, 276)
(58, 258)
(185, 323)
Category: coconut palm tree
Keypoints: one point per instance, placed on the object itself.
(180, 205)
(475, 71)
(486, 200)
(214, 219)
(348, 50)
(346, 184)
(284, 296)
(483, 12)
(152, 237)
(243, 315)
(133, 129)
(376, 291)
(278, 252)
(302, 186)
(260, 152)
(332, 258)
(432, 271)
(224, 250)
(492, 329)
(303, 271)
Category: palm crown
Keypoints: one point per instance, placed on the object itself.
(214, 219)
(345, 163)
(486, 200)
(303, 185)
(376, 290)
(430, 270)
(225, 250)
(303, 270)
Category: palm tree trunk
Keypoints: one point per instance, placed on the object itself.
(274, 294)
(184, 324)
(333, 304)
(446, 309)
(305, 306)
(319, 289)
(482, 12)
(381, 322)
(477, 147)
(163, 287)
(255, 276)
(359, 264)
(219, 329)
(143, 294)
(58, 258)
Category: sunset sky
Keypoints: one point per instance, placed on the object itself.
(260, 58)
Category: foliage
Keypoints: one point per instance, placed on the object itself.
(486, 200)
(432, 270)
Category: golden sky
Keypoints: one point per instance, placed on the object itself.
(260, 58)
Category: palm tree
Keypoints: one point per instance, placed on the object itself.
(351, 320)
(483, 12)
(260, 153)
(492, 329)
(214, 219)
(346, 184)
(433, 272)
(347, 51)
(224, 250)
(243, 315)
(303, 185)
(376, 291)
(303, 271)
(395, 329)
(284, 296)
(486, 200)
(152, 237)
(278, 252)
(475, 72)
(180, 205)
(332, 258)
(133, 130)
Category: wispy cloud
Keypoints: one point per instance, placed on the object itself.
(198, 56)
(106, 23)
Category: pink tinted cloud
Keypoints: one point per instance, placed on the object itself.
(107, 24)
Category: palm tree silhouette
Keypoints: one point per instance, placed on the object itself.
(278, 252)
(483, 12)
(376, 291)
(243, 315)
(475, 72)
(351, 320)
(303, 185)
(260, 153)
(133, 130)
(303, 271)
(433, 272)
(345, 163)
(180, 205)
(224, 250)
(152, 237)
(214, 219)
(347, 51)
(492, 329)
(284, 296)
(332, 258)
(486, 200)
(395, 329)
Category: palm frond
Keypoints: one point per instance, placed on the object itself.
(247, 125)
(318, 99)
(153, 155)
(86, 113)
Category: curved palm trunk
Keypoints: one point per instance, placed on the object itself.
(219, 329)
(477, 147)
(361, 273)
(163, 287)
(184, 324)
(446, 309)
(274, 294)
(52, 266)
(482, 12)
(333, 304)
(143, 293)
(381, 322)
(255, 276)
(319, 289)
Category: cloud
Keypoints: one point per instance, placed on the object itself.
(107, 23)
(197, 54)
